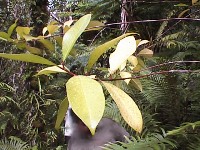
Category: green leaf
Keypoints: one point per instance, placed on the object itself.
(11, 28)
(73, 34)
(53, 69)
(87, 100)
(125, 48)
(128, 109)
(23, 31)
(33, 50)
(4, 36)
(48, 44)
(93, 25)
(52, 28)
(97, 52)
(137, 84)
(27, 58)
(61, 112)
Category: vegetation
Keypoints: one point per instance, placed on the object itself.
(136, 62)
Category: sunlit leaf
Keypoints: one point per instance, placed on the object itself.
(23, 31)
(53, 69)
(73, 34)
(11, 28)
(143, 42)
(27, 58)
(98, 51)
(44, 30)
(48, 44)
(137, 84)
(125, 48)
(128, 109)
(68, 23)
(61, 112)
(194, 1)
(87, 100)
(94, 25)
(133, 60)
(53, 28)
(126, 75)
(29, 37)
(122, 66)
(147, 53)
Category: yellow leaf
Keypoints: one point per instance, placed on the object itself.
(147, 53)
(48, 44)
(128, 109)
(183, 12)
(44, 30)
(52, 28)
(194, 1)
(29, 37)
(126, 75)
(53, 69)
(133, 60)
(22, 31)
(87, 100)
(125, 48)
(98, 51)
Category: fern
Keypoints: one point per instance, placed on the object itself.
(13, 143)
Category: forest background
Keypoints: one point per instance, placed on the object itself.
(165, 81)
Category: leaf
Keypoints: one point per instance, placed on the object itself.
(137, 84)
(142, 42)
(122, 66)
(126, 75)
(52, 28)
(128, 109)
(87, 100)
(147, 53)
(97, 52)
(59, 40)
(73, 34)
(53, 69)
(47, 44)
(194, 1)
(93, 25)
(11, 28)
(22, 31)
(4, 36)
(33, 50)
(68, 23)
(183, 12)
(61, 112)
(27, 58)
(29, 37)
(133, 60)
(44, 30)
(125, 48)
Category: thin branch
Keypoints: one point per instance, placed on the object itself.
(151, 74)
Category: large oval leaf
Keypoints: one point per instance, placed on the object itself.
(87, 100)
(73, 34)
(128, 109)
(102, 49)
(61, 112)
(27, 58)
(125, 48)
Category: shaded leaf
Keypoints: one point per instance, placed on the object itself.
(59, 40)
(125, 48)
(87, 100)
(48, 44)
(146, 53)
(27, 58)
(128, 109)
(33, 50)
(73, 34)
(137, 84)
(61, 112)
(182, 13)
(98, 51)
(53, 28)
(53, 69)
(93, 25)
